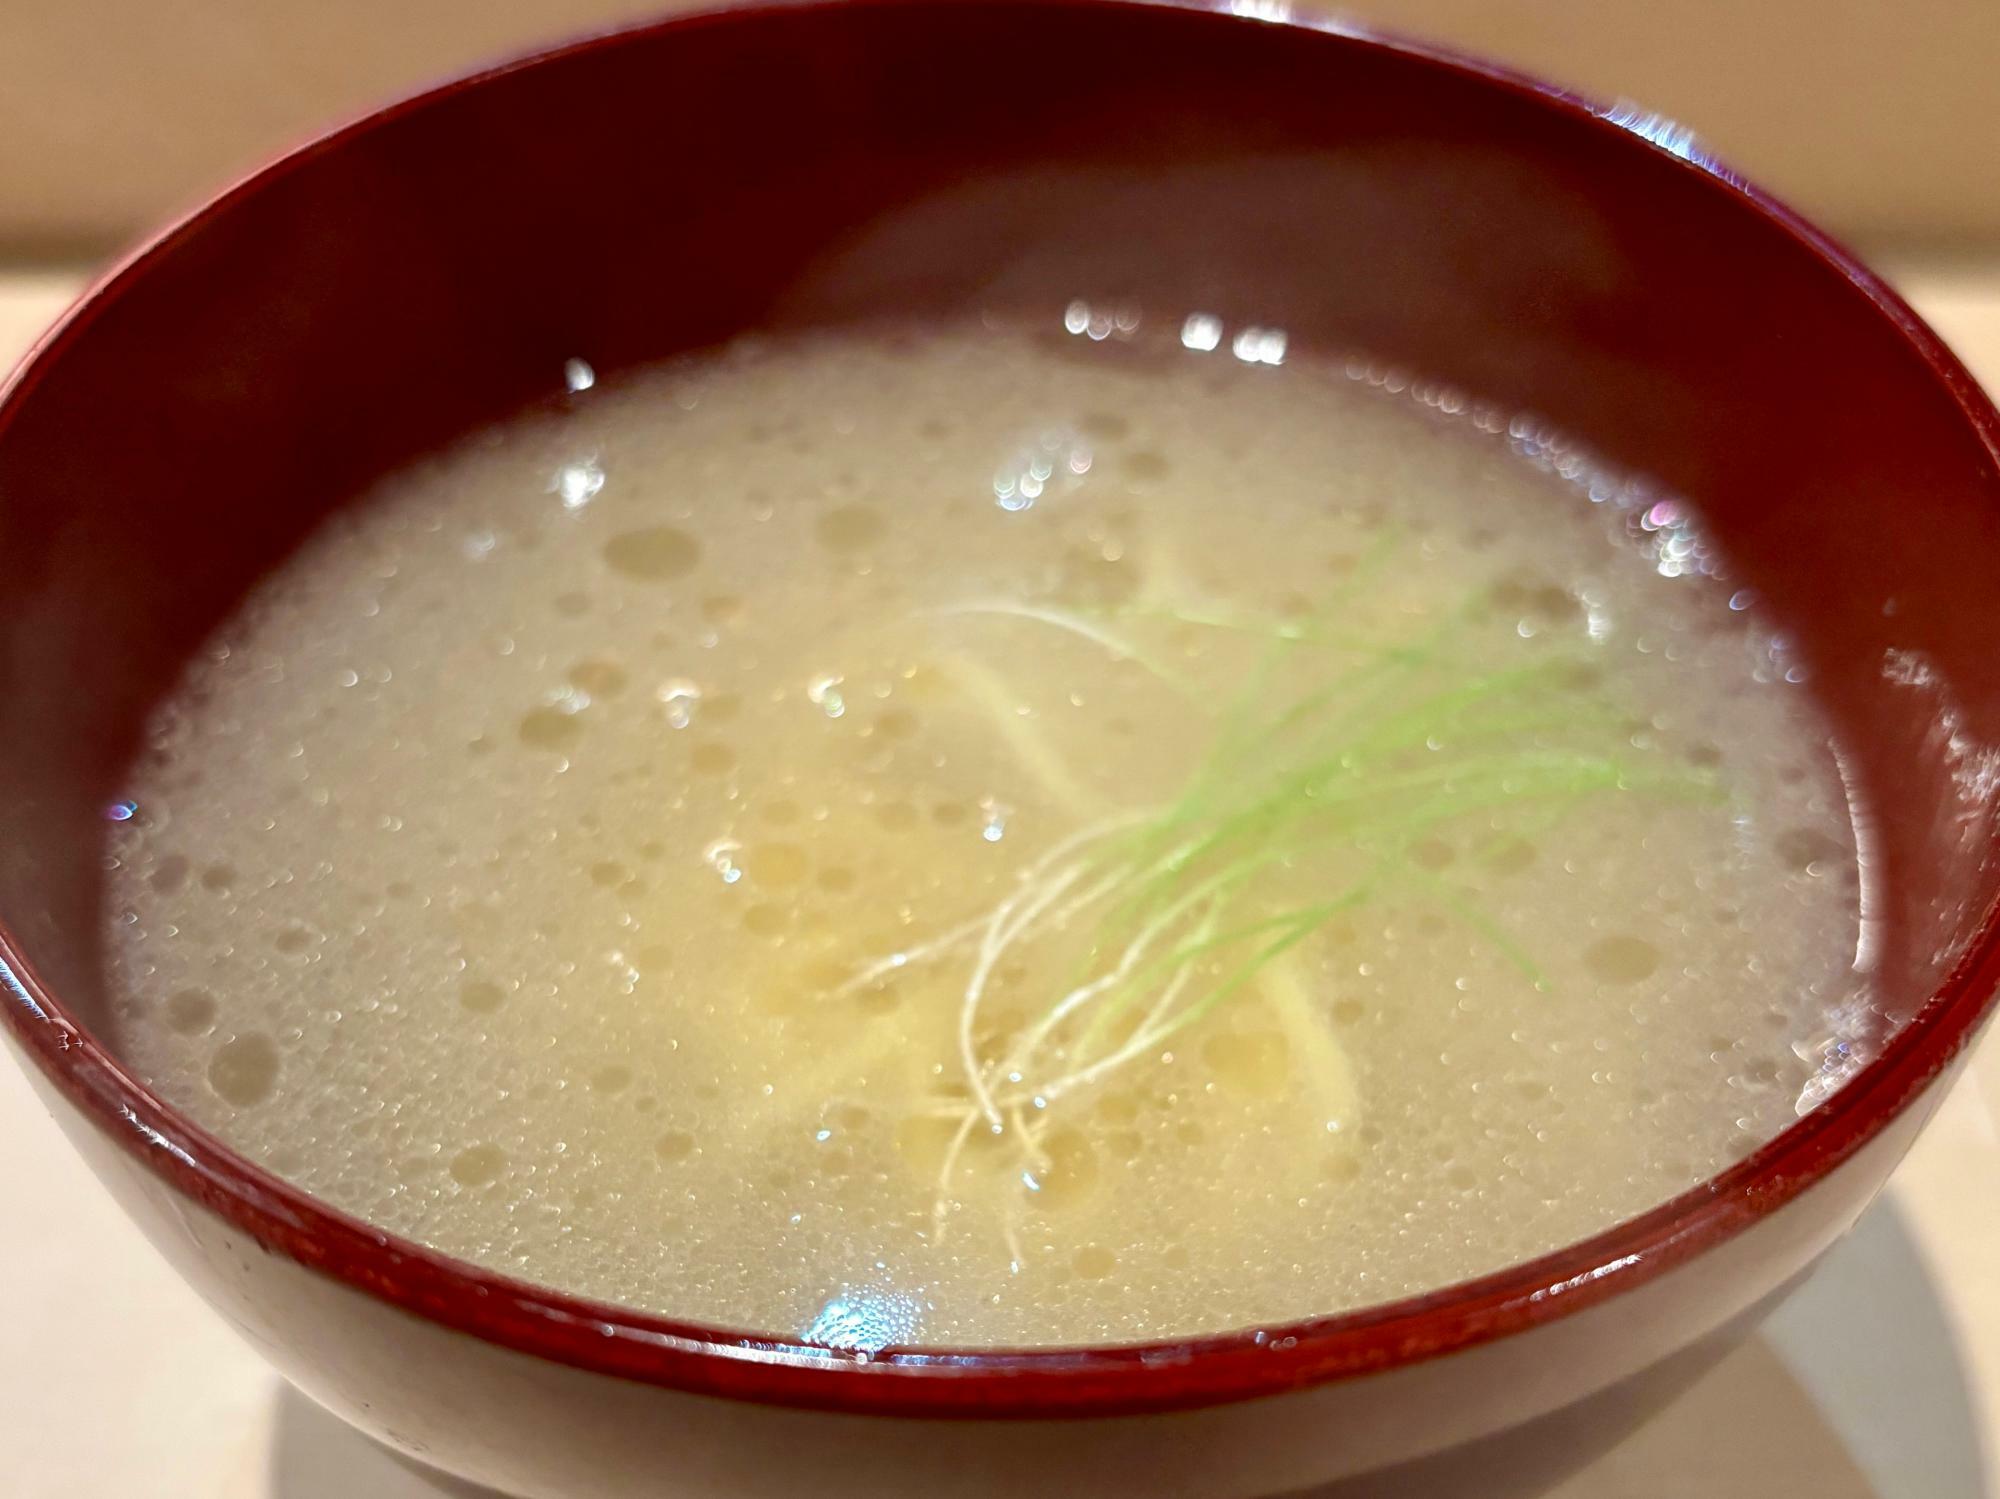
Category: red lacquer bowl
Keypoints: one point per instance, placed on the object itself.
(433, 266)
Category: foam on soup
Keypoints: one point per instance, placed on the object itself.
(967, 837)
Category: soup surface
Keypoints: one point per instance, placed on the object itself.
(973, 837)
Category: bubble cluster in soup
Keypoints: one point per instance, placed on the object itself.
(971, 837)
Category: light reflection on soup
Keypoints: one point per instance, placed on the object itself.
(963, 837)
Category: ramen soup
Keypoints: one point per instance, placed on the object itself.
(983, 837)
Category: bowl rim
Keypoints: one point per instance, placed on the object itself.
(1061, 1382)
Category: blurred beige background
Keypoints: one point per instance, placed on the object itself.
(1882, 119)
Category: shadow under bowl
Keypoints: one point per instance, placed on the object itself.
(432, 267)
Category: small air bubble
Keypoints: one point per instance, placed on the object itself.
(824, 692)
(679, 696)
(993, 819)
(721, 857)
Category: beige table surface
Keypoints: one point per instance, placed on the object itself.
(1880, 1380)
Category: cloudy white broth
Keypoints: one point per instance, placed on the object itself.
(991, 837)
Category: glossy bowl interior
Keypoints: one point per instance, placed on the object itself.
(431, 268)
